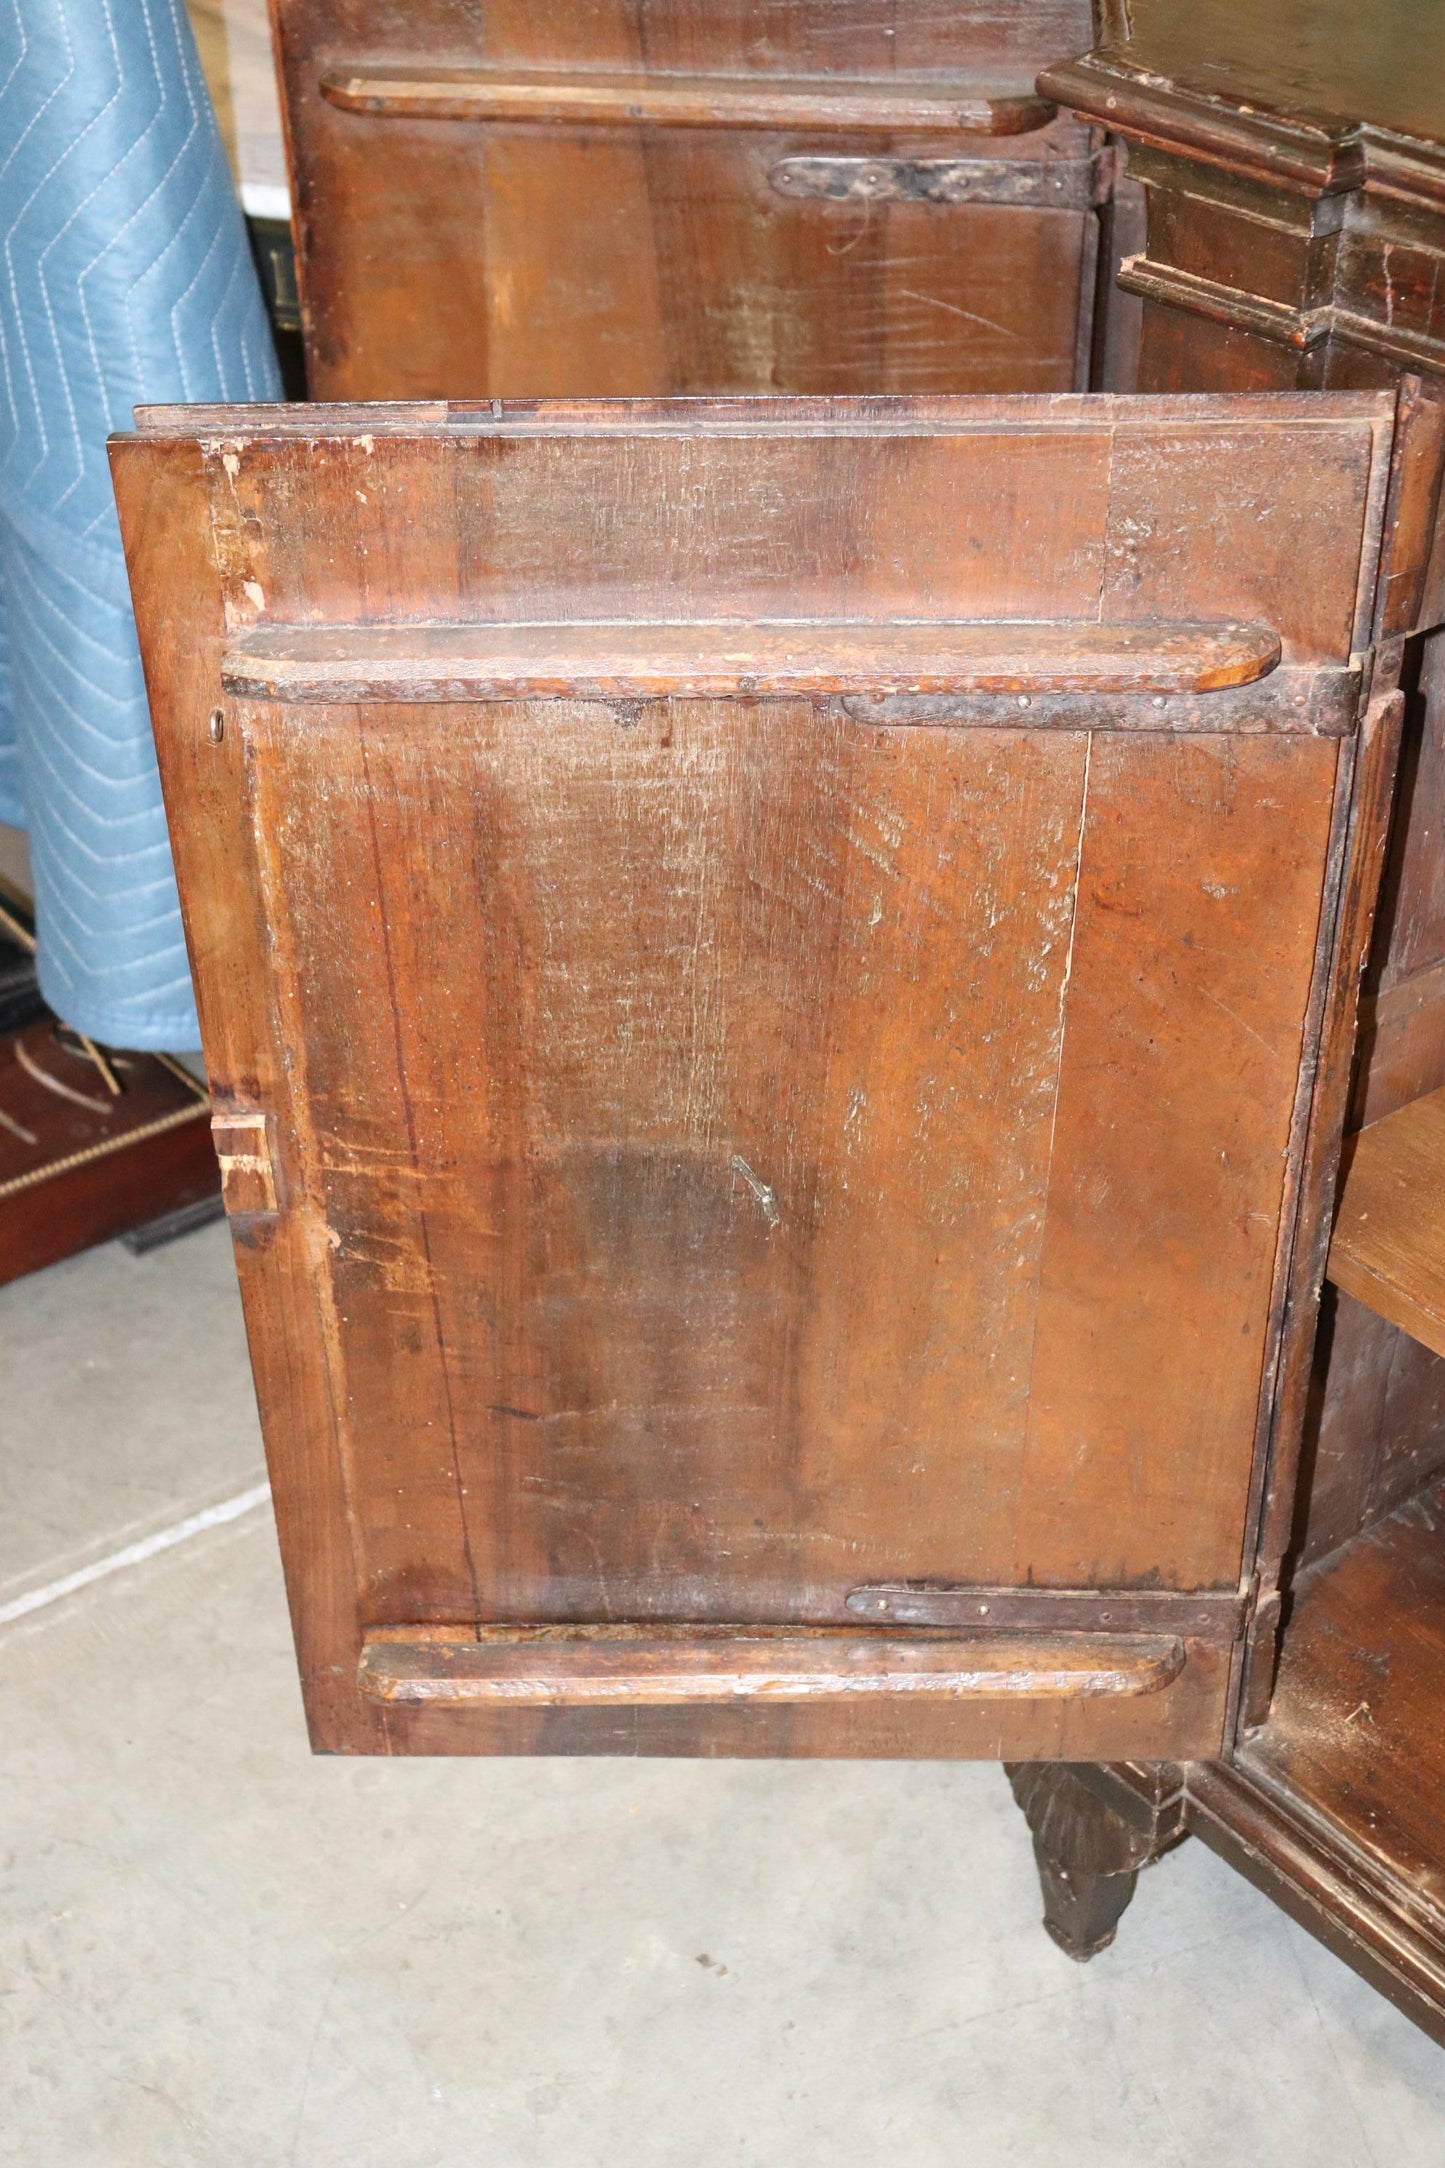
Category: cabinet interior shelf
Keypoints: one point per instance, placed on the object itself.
(1388, 1249)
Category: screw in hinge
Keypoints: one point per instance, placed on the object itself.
(216, 727)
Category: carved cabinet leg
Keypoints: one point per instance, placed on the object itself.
(1093, 1829)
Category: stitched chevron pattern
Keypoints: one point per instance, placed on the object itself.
(125, 277)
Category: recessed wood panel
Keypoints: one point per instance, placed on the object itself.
(634, 1055)
(757, 1160)
(1181, 1055)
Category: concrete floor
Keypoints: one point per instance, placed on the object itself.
(215, 1950)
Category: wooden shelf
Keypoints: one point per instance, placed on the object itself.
(1388, 1249)
(552, 1666)
(1350, 1765)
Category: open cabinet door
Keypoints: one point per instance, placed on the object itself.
(761, 966)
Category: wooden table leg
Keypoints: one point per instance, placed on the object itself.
(1093, 1828)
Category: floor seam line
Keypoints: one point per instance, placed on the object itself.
(135, 1554)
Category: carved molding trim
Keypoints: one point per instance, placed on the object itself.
(1299, 328)
(1126, 99)
(1412, 349)
(1088, 1852)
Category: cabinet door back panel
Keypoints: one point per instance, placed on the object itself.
(687, 1098)
(737, 1154)
(547, 198)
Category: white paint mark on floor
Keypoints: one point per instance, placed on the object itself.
(136, 1554)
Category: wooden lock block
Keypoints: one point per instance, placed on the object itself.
(243, 1147)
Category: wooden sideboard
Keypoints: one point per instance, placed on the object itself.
(1293, 168)
(565, 1317)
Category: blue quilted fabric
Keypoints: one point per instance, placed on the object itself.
(125, 278)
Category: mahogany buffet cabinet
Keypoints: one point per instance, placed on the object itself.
(784, 977)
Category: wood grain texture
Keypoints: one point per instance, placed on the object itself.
(1407, 974)
(1373, 1921)
(1309, 226)
(725, 1156)
(1388, 1248)
(1376, 1429)
(1354, 1736)
(171, 561)
(646, 1667)
(552, 198)
(1292, 164)
(654, 661)
(1361, 834)
(1290, 241)
(817, 104)
(1320, 70)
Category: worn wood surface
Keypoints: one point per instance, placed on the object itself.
(1375, 1437)
(1354, 1736)
(661, 660)
(1373, 1917)
(1403, 1047)
(572, 1667)
(1344, 951)
(725, 1157)
(1388, 1247)
(1319, 70)
(1088, 1852)
(1292, 163)
(1295, 236)
(1374, 1921)
(546, 198)
(817, 104)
